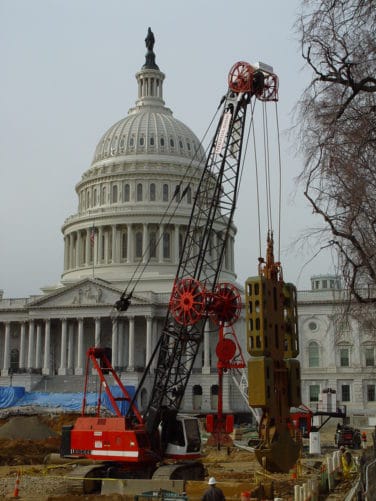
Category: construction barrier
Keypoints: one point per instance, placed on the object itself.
(330, 474)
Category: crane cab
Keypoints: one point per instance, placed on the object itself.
(182, 438)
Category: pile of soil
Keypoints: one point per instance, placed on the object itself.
(28, 439)
(26, 428)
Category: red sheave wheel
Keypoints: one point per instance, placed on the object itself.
(240, 78)
(187, 303)
(225, 304)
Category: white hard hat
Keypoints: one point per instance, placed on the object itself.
(212, 481)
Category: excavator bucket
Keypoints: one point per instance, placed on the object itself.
(280, 455)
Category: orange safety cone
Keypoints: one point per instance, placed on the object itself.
(17, 485)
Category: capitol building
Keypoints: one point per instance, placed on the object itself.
(126, 237)
(134, 204)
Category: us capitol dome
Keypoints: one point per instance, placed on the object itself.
(135, 200)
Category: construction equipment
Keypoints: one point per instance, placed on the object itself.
(272, 340)
(143, 441)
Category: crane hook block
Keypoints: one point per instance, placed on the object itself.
(187, 302)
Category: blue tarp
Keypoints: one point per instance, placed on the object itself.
(15, 396)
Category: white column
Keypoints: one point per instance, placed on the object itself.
(97, 339)
(70, 347)
(80, 348)
(145, 249)
(6, 361)
(176, 244)
(106, 236)
(47, 341)
(22, 346)
(38, 347)
(114, 342)
(30, 352)
(87, 246)
(129, 244)
(120, 343)
(131, 345)
(78, 249)
(114, 247)
(63, 353)
(206, 347)
(149, 325)
(100, 244)
(66, 252)
(160, 245)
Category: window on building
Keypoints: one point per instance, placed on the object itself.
(370, 357)
(153, 244)
(142, 141)
(139, 192)
(313, 354)
(165, 193)
(214, 396)
(94, 197)
(152, 192)
(138, 244)
(172, 144)
(104, 195)
(126, 193)
(162, 141)
(345, 393)
(151, 141)
(371, 395)
(197, 397)
(14, 360)
(314, 392)
(124, 245)
(166, 245)
(114, 194)
(344, 357)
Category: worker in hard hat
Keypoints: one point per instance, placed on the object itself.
(213, 493)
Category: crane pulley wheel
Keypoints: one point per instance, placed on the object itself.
(225, 304)
(187, 302)
(240, 78)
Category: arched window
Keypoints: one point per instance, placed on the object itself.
(152, 192)
(197, 397)
(189, 195)
(114, 194)
(165, 193)
(313, 354)
(138, 244)
(94, 197)
(153, 244)
(126, 193)
(103, 195)
(214, 396)
(124, 245)
(139, 192)
(14, 360)
(166, 245)
(87, 199)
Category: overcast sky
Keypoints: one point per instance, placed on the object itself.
(68, 74)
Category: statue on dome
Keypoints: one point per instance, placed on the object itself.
(150, 40)
(150, 56)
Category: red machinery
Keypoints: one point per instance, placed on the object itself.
(160, 432)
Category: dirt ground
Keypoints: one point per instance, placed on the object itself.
(235, 469)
